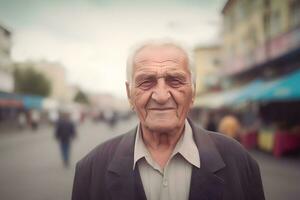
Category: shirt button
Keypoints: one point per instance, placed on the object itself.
(165, 183)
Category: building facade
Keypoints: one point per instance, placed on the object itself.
(207, 62)
(261, 57)
(56, 73)
(259, 35)
(6, 77)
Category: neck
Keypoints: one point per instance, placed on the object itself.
(161, 144)
(161, 141)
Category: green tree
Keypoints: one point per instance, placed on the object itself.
(81, 97)
(29, 81)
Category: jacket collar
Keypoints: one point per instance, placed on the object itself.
(125, 183)
(122, 181)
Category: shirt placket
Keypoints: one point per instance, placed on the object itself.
(164, 192)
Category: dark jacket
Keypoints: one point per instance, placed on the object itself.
(227, 171)
(65, 130)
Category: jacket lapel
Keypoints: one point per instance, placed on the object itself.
(205, 184)
(123, 182)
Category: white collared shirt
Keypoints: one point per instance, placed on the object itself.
(172, 182)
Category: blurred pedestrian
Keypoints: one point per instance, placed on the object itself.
(166, 156)
(35, 119)
(250, 118)
(230, 126)
(53, 116)
(211, 122)
(22, 119)
(65, 132)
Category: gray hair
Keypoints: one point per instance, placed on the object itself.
(159, 42)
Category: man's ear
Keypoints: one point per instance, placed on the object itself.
(193, 95)
(127, 89)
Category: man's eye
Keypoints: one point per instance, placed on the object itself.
(146, 84)
(175, 82)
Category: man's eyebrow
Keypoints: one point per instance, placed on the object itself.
(145, 75)
(175, 73)
(168, 60)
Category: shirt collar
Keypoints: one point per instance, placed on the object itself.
(185, 146)
(140, 149)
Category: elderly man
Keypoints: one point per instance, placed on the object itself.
(167, 156)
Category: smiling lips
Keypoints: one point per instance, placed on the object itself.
(167, 106)
(161, 109)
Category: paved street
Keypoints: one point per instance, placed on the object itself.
(281, 177)
(31, 168)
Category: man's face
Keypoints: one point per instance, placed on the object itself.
(161, 90)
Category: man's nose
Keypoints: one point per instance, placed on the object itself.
(161, 93)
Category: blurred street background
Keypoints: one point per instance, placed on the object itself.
(67, 60)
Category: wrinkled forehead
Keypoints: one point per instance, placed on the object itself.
(166, 55)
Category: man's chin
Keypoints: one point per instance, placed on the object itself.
(163, 126)
(161, 129)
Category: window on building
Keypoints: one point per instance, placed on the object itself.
(240, 11)
(267, 4)
(230, 20)
(216, 62)
(253, 37)
(227, 24)
(275, 26)
(232, 50)
(6, 52)
(295, 13)
(249, 7)
(266, 22)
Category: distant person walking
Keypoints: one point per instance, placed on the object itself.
(230, 126)
(211, 124)
(35, 119)
(65, 131)
(22, 120)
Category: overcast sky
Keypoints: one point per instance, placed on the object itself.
(92, 38)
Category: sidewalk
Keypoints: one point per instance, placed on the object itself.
(280, 176)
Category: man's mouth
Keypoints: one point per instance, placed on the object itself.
(161, 109)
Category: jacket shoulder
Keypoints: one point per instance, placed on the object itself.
(241, 166)
(91, 168)
(225, 142)
(231, 151)
(101, 152)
